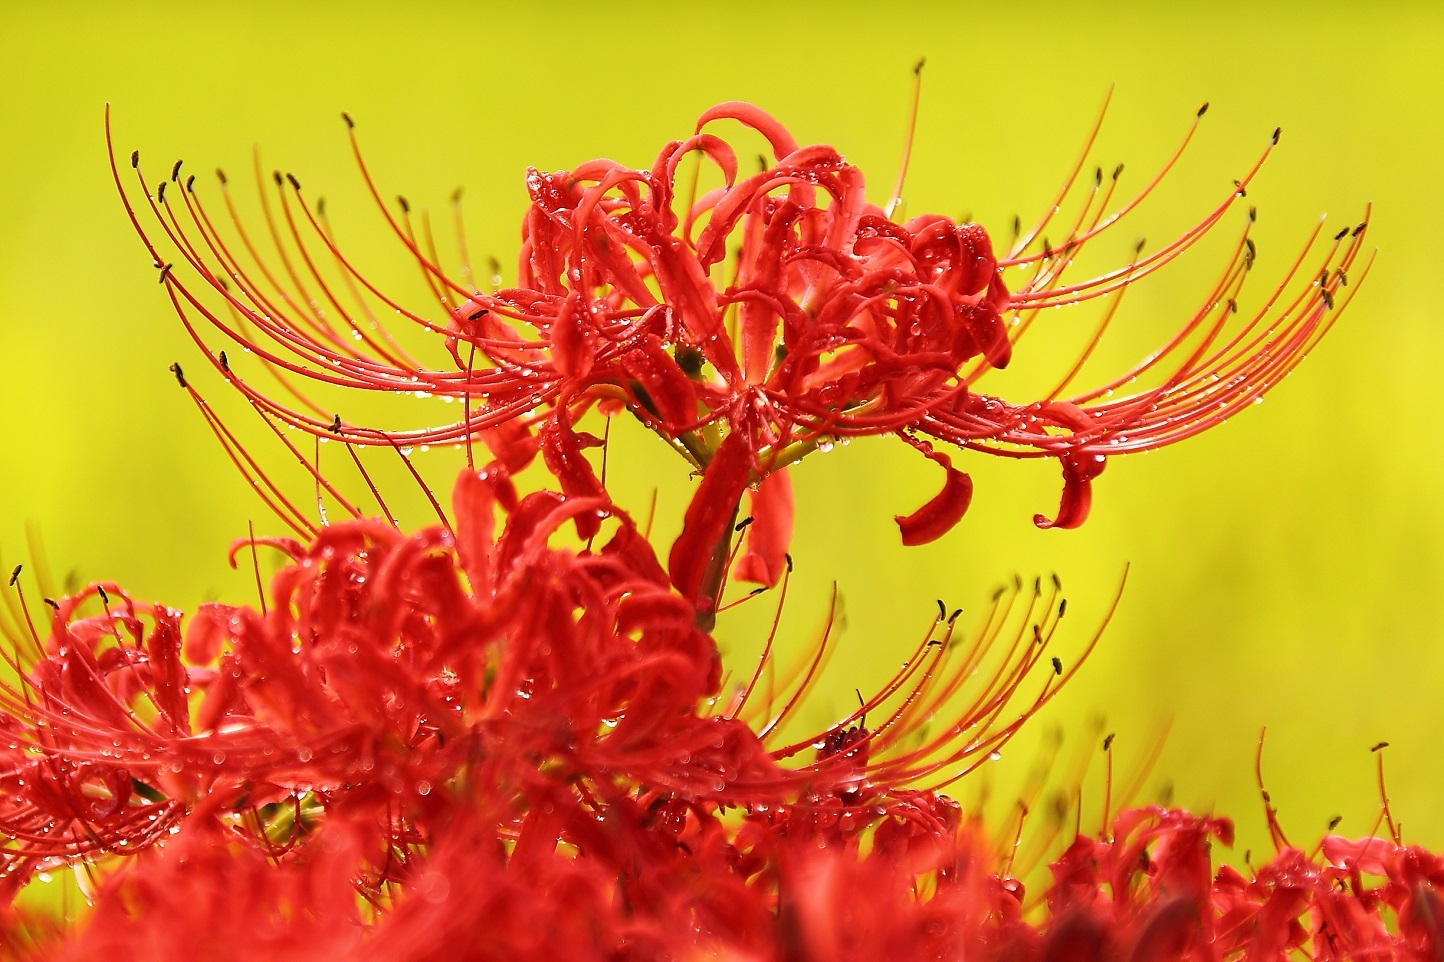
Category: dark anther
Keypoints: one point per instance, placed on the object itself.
(1379, 746)
(456, 195)
(477, 315)
(160, 193)
(180, 376)
(918, 67)
(1341, 234)
(690, 360)
(998, 593)
(1057, 582)
(135, 158)
(1265, 793)
(1334, 822)
(276, 176)
(1097, 176)
(191, 184)
(1360, 229)
(954, 616)
(15, 575)
(942, 610)
(743, 523)
(1252, 214)
(1203, 110)
(405, 204)
(1138, 248)
(225, 364)
(1038, 585)
(1240, 190)
(336, 424)
(350, 124)
(221, 175)
(175, 171)
(165, 272)
(1117, 171)
(756, 591)
(52, 603)
(1057, 665)
(788, 559)
(1277, 131)
(295, 184)
(1062, 607)
(1249, 253)
(105, 598)
(1017, 225)
(1232, 306)
(1037, 635)
(1017, 581)
(1107, 741)
(1047, 249)
(1343, 278)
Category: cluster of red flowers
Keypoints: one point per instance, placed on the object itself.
(486, 739)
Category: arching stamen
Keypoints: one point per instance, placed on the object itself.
(907, 151)
(1276, 832)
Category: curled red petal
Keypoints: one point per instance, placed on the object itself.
(947, 507)
(770, 533)
(511, 443)
(1078, 475)
(758, 119)
(709, 515)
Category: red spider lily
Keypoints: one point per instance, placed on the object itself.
(771, 316)
(397, 684)
(472, 741)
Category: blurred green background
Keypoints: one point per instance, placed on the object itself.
(1286, 568)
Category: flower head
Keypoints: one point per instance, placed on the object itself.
(774, 314)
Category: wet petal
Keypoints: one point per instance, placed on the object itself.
(946, 509)
(709, 515)
(473, 505)
(1074, 506)
(574, 347)
(770, 534)
(1078, 474)
(562, 451)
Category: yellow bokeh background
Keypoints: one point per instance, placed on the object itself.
(1286, 568)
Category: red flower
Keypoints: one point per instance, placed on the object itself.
(780, 309)
(471, 742)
